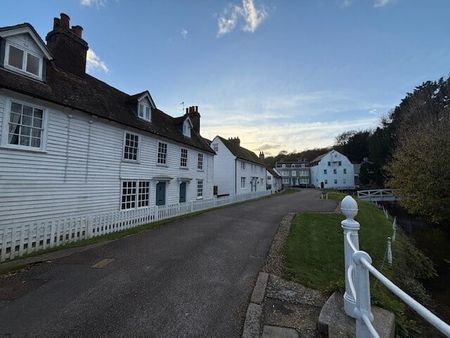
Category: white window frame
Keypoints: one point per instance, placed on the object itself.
(162, 155)
(242, 165)
(200, 189)
(23, 70)
(200, 161)
(137, 149)
(242, 182)
(215, 147)
(345, 171)
(187, 128)
(145, 107)
(6, 122)
(183, 159)
(139, 202)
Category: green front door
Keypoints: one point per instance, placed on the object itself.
(183, 192)
(161, 193)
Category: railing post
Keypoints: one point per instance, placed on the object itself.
(394, 229)
(349, 208)
(363, 307)
(389, 250)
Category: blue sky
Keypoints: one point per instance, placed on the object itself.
(281, 75)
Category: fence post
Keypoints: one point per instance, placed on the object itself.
(363, 307)
(349, 208)
(389, 250)
(394, 229)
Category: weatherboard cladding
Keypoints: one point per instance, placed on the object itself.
(81, 170)
(240, 152)
(90, 95)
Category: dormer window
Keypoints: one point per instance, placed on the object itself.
(19, 59)
(144, 112)
(187, 128)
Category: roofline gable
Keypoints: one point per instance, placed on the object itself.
(26, 29)
(147, 95)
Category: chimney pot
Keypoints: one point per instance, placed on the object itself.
(78, 30)
(65, 20)
(56, 23)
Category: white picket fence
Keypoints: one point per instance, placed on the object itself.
(22, 239)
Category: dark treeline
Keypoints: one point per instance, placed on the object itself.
(375, 149)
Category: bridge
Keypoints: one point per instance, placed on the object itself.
(377, 195)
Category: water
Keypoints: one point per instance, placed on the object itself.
(433, 241)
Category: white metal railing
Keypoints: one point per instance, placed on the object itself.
(377, 195)
(358, 265)
(21, 239)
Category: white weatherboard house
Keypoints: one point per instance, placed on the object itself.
(332, 170)
(72, 145)
(237, 170)
(274, 180)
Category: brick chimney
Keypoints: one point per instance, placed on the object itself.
(235, 140)
(67, 45)
(194, 116)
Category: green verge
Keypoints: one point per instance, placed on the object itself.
(314, 257)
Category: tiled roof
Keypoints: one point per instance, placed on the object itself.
(90, 95)
(240, 152)
(273, 172)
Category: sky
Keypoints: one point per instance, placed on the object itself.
(279, 74)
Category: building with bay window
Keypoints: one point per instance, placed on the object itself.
(73, 145)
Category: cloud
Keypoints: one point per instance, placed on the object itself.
(376, 3)
(184, 33)
(381, 3)
(94, 63)
(97, 3)
(247, 15)
(289, 122)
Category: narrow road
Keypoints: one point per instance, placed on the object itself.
(190, 278)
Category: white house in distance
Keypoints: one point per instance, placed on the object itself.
(332, 170)
(72, 145)
(274, 180)
(237, 170)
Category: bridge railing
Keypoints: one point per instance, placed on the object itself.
(376, 195)
(358, 265)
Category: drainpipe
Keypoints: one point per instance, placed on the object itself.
(235, 176)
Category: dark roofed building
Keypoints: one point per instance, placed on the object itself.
(70, 144)
(237, 170)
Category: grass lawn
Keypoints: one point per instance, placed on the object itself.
(314, 257)
(314, 250)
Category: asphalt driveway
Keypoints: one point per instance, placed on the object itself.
(188, 278)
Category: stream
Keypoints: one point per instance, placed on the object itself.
(433, 241)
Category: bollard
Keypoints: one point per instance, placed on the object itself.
(349, 208)
(394, 229)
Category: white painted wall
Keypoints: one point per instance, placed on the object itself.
(228, 172)
(274, 182)
(344, 181)
(224, 168)
(67, 179)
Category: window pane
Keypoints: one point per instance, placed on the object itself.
(26, 131)
(26, 121)
(35, 132)
(37, 123)
(38, 113)
(13, 139)
(16, 108)
(35, 142)
(32, 64)
(24, 140)
(15, 57)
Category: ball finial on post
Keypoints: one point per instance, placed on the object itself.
(349, 207)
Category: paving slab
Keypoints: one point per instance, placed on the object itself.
(278, 332)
